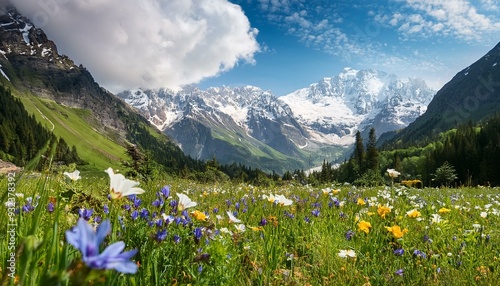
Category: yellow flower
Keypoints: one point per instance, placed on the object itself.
(336, 191)
(256, 228)
(444, 210)
(199, 215)
(370, 213)
(414, 213)
(361, 202)
(396, 231)
(364, 226)
(383, 210)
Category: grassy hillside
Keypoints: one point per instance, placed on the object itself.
(75, 126)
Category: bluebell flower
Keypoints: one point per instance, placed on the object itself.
(315, 212)
(161, 235)
(28, 208)
(307, 219)
(50, 207)
(83, 237)
(263, 222)
(158, 203)
(85, 213)
(144, 213)
(237, 205)
(165, 191)
(349, 234)
(419, 253)
(197, 234)
(106, 209)
(399, 272)
(177, 238)
(97, 219)
(215, 210)
(399, 252)
(134, 214)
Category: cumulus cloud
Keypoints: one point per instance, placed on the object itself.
(147, 43)
(457, 18)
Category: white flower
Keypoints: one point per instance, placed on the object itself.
(240, 227)
(74, 176)
(225, 230)
(436, 218)
(185, 202)
(484, 214)
(393, 173)
(232, 218)
(282, 201)
(347, 253)
(120, 186)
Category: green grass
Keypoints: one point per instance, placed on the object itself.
(297, 244)
(76, 128)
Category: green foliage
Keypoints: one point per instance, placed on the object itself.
(445, 174)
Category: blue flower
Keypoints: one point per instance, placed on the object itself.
(315, 212)
(263, 222)
(83, 237)
(165, 191)
(106, 209)
(161, 235)
(419, 253)
(349, 234)
(399, 272)
(399, 252)
(85, 213)
(134, 215)
(50, 207)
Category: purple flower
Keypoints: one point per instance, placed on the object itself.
(177, 238)
(51, 207)
(134, 214)
(399, 252)
(161, 235)
(144, 213)
(106, 209)
(197, 234)
(83, 237)
(349, 234)
(237, 206)
(419, 253)
(215, 210)
(315, 212)
(28, 208)
(85, 213)
(263, 222)
(165, 191)
(399, 272)
(158, 203)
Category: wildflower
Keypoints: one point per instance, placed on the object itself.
(74, 176)
(418, 253)
(256, 228)
(399, 252)
(199, 215)
(393, 173)
(87, 241)
(364, 226)
(361, 202)
(396, 231)
(263, 222)
(85, 213)
(383, 211)
(399, 272)
(120, 186)
(232, 218)
(347, 253)
(185, 202)
(436, 218)
(161, 235)
(197, 234)
(484, 214)
(444, 210)
(326, 191)
(165, 191)
(50, 207)
(349, 234)
(283, 201)
(315, 212)
(414, 213)
(240, 227)
(134, 215)
(177, 238)
(336, 191)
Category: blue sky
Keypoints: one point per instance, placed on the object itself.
(304, 41)
(278, 45)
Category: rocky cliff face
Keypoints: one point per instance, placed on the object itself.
(31, 62)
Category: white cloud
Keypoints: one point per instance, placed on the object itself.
(132, 43)
(457, 18)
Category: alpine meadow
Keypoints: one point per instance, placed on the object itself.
(204, 143)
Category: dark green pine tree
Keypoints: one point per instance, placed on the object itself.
(372, 156)
(359, 152)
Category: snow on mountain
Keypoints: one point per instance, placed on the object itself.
(359, 99)
(319, 121)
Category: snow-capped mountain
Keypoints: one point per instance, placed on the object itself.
(299, 130)
(357, 100)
